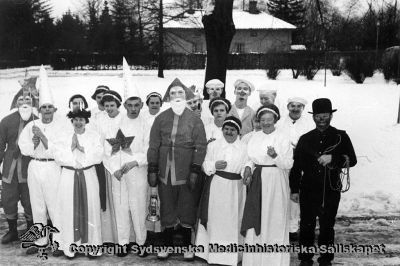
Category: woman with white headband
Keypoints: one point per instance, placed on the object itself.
(219, 108)
(266, 213)
(222, 202)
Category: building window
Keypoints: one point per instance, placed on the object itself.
(239, 47)
(253, 33)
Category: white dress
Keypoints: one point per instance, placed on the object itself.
(93, 153)
(108, 128)
(275, 195)
(226, 202)
(130, 193)
(294, 131)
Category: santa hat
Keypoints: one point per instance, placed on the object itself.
(214, 83)
(45, 93)
(248, 83)
(265, 89)
(196, 93)
(177, 83)
(130, 88)
(297, 100)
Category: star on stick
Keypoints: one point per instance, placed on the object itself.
(120, 142)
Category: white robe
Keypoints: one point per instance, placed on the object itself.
(93, 153)
(43, 176)
(213, 132)
(206, 115)
(130, 194)
(149, 118)
(96, 117)
(108, 128)
(274, 197)
(226, 202)
(294, 131)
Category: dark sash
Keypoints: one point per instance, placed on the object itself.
(101, 177)
(252, 207)
(205, 198)
(80, 204)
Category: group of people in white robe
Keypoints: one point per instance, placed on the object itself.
(244, 147)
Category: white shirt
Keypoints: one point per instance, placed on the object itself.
(137, 128)
(295, 130)
(213, 132)
(233, 153)
(258, 147)
(51, 131)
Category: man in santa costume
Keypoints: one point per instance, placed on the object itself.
(176, 152)
(15, 166)
(37, 141)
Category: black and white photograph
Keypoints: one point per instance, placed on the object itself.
(200, 132)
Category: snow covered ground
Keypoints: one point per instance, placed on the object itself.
(368, 112)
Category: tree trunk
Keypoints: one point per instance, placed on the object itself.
(160, 41)
(141, 45)
(219, 30)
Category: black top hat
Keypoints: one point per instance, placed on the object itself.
(322, 105)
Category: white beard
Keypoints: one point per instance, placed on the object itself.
(178, 106)
(25, 111)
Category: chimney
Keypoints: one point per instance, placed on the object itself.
(253, 7)
(190, 10)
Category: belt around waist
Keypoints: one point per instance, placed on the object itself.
(228, 175)
(265, 165)
(43, 159)
(77, 169)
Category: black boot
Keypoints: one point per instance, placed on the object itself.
(187, 241)
(166, 236)
(12, 234)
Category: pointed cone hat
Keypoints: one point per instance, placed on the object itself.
(177, 83)
(45, 93)
(130, 88)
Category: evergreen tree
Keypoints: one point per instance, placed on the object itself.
(20, 25)
(105, 38)
(93, 23)
(291, 11)
(70, 33)
(120, 14)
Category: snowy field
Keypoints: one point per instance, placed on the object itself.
(368, 112)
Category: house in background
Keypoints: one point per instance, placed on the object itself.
(256, 32)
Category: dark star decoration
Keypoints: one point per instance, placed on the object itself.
(120, 142)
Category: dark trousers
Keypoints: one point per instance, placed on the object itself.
(11, 194)
(310, 208)
(177, 205)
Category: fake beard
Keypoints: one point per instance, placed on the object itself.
(178, 106)
(25, 111)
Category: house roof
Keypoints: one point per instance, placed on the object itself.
(242, 20)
